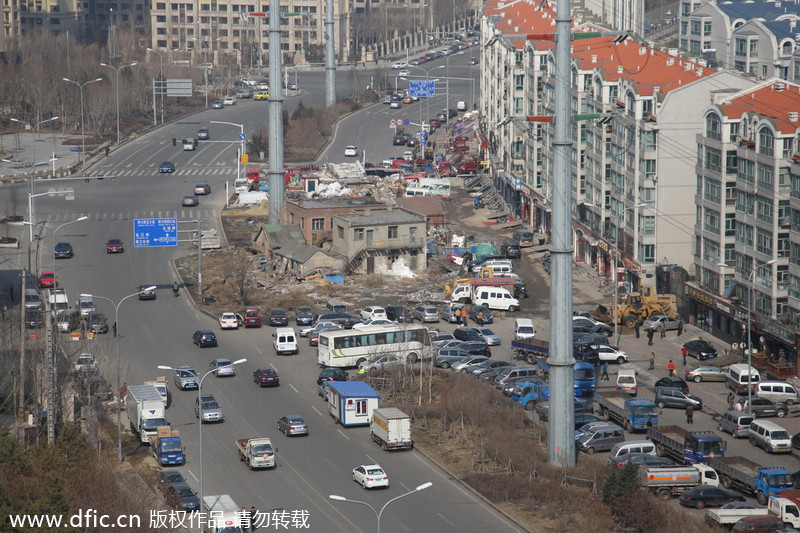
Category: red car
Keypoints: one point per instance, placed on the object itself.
(266, 377)
(114, 246)
(48, 279)
(252, 318)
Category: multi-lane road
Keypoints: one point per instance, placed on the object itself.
(159, 332)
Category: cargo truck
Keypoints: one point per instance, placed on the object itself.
(160, 383)
(257, 453)
(534, 350)
(786, 507)
(630, 413)
(391, 428)
(687, 447)
(145, 411)
(751, 478)
(223, 515)
(671, 481)
(167, 447)
(527, 393)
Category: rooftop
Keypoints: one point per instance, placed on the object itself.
(375, 217)
(328, 203)
(773, 99)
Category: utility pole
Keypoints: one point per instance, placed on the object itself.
(275, 115)
(51, 374)
(21, 391)
(561, 439)
(330, 57)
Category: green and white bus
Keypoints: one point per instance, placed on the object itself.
(348, 348)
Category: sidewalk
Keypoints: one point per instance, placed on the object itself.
(17, 151)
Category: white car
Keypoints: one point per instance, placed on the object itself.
(370, 476)
(610, 354)
(466, 365)
(394, 104)
(86, 305)
(584, 321)
(461, 106)
(404, 73)
(86, 363)
(230, 320)
(374, 322)
(373, 311)
(229, 100)
(400, 65)
(351, 151)
(224, 367)
(308, 330)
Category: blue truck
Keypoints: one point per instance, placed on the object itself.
(751, 478)
(687, 447)
(527, 393)
(533, 350)
(631, 413)
(167, 447)
(584, 377)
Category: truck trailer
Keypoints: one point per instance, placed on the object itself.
(687, 447)
(750, 478)
(145, 411)
(391, 428)
(630, 413)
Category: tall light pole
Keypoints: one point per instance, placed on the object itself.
(118, 369)
(378, 514)
(205, 46)
(200, 416)
(55, 231)
(616, 260)
(160, 79)
(116, 70)
(83, 131)
(241, 145)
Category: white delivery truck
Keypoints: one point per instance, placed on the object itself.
(391, 428)
(145, 411)
(241, 185)
(223, 515)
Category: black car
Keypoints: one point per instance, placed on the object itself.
(204, 338)
(97, 322)
(467, 334)
(33, 318)
(511, 250)
(304, 315)
(169, 477)
(582, 419)
(480, 314)
(706, 496)
(589, 338)
(63, 250)
(278, 317)
(166, 168)
(700, 349)
(672, 382)
(332, 374)
(398, 313)
(181, 496)
(412, 143)
(146, 293)
(595, 329)
(762, 407)
(400, 140)
(475, 348)
(266, 377)
(585, 351)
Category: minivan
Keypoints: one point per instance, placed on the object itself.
(32, 300)
(524, 238)
(493, 262)
(600, 439)
(497, 298)
(737, 423)
(770, 436)
(68, 320)
(620, 452)
(737, 379)
(626, 382)
(523, 329)
(777, 391)
(674, 397)
(336, 306)
(285, 341)
(514, 373)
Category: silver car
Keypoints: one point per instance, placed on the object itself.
(292, 425)
(224, 367)
(655, 321)
(186, 378)
(491, 338)
(382, 362)
(706, 373)
(426, 313)
(212, 411)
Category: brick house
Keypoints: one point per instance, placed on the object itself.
(431, 207)
(285, 245)
(315, 217)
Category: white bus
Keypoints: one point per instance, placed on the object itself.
(348, 348)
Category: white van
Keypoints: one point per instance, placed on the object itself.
(620, 452)
(491, 263)
(626, 382)
(777, 391)
(524, 329)
(770, 436)
(285, 341)
(737, 379)
(189, 145)
(495, 298)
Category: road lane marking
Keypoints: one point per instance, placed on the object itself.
(192, 474)
(292, 386)
(316, 410)
(348, 438)
(445, 519)
(260, 352)
(403, 485)
(398, 522)
(371, 459)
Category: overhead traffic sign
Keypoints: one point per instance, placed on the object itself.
(422, 88)
(153, 232)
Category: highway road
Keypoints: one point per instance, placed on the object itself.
(159, 332)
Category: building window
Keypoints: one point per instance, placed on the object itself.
(710, 251)
(740, 47)
(730, 254)
(730, 224)
(317, 224)
(340, 232)
(764, 242)
(766, 141)
(763, 210)
(713, 127)
(647, 252)
(393, 232)
(706, 28)
(648, 225)
(746, 171)
(730, 193)
(712, 190)
(731, 162)
(302, 222)
(744, 234)
(711, 221)
(765, 176)
(713, 159)
(358, 234)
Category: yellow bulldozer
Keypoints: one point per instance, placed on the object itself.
(635, 307)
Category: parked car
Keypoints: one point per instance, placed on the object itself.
(446, 357)
(511, 250)
(63, 250)
(186, 378)
(181, 496)
(223, 367)
(380, 363)
(490, 337)
(372, 312)
(374, 322)
(278, 317)
(399, 314)
(426, 313)
(705, 496)
(476, 348)
(230, 320)
(266, 377)
(655, 321)
(351, 151)
(610, 354)
(672, 381)
(488, 365)
(169, 477)
(304, 315)
(370, 476)
(47, 280)
(252, 317)
(678, 398)
(292, 425)
(700, 349)
(313, 337)
(97, 322)
(761, 407)
(85, 363)
(586, 329)
(465, 366)
(706, 373)
(480, 314)
(204, 338)
(646, 460)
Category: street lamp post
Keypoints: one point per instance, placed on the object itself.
(118, 370)
(205, 46)
(160, 79)
(83, 131)
(116, 70)
(614, 277)
(378, 514)
(241, 145)
(200, 415)
(55, 231)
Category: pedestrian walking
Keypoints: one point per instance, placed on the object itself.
(464, 315)
(114, 329)
(252, 518)
(680, 327)
(689, 414)
(683, 353)
(671, 367)
(123, 391)
(636, 329)
(731, 400)
(650, 337)
(11, 292)
(662, 328)
(244, 514)
(604, 376)
(652, 361)
(107, 151)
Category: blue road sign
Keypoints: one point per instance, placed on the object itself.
(406, 122)
(242, 136)
(152, 232)
(422, 88)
